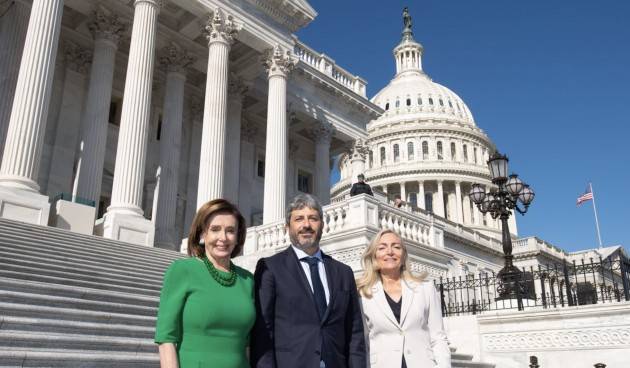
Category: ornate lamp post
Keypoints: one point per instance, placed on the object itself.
(499, 202)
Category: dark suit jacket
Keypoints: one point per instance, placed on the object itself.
(288, 332)
(360, 188)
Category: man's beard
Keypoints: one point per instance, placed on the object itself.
(307, 243)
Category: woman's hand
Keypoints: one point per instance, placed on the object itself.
(168, 355)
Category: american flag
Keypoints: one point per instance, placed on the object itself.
(587, 196)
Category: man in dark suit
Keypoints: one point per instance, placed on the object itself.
(360, 187)
(307, 306)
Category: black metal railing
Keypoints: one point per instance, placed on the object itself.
(551, 286)
(68, 197)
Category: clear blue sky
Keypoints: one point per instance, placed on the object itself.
(548, 81)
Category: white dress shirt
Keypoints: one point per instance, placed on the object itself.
(307, 271)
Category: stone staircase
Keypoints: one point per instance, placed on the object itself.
(72, 300)
(459, 360)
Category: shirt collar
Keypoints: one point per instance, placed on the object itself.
(302, 254)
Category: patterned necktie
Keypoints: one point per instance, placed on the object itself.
(318, 287)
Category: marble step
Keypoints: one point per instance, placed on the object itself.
(45, 267)
(43, 288)
(47, 325)
(26, 340)
(81, 304)
(73, 314)
(71, 280)
(76, 359)
(455, 363)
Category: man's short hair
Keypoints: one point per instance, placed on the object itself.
(361, 177)
(303, 201)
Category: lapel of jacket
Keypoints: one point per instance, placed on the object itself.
(407, 299)
(331, 278)
(378, 294)
(295, 269)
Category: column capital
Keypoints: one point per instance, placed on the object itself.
(175, 59)
(106, 25)
(77, 57)
(158, 3)
(221, 28)
(359, 150)
(248, 131)
(237, 87)
(278, 61)
(322, 132)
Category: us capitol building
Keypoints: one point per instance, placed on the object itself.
(119, 118)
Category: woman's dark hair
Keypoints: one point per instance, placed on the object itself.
(201, 222)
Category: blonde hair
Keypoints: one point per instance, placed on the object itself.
(371, 272)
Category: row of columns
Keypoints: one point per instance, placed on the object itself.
(124, 217)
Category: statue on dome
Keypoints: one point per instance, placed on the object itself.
(406, 18)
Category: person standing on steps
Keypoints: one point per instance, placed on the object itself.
(307, 306)
(206, 307)
(360, 187)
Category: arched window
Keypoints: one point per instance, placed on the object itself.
(465, 151)
(419, 100)
(440, 153)
(383, 156)
(387, 106)
(408, 102)
(425, 150)
(430, 101)
(441, 102)
(396, 153)
(371, 158)
(475, 154)
(409, 151)
(453, 152)
(413, 199)
(397, 103)
(450, 104)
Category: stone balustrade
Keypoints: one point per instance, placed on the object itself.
(327, 66)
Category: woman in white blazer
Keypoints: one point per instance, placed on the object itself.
(402, 314)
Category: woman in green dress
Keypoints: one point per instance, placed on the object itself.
(207, 306)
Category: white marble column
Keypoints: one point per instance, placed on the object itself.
(403, 191)
(421, 202)
(106, 30)
(175, 60)
(358, 156)
(19, 197)
(458, 203)
(12, 36)
(66, 134)
(124, 219)
(278, 63)
(236, 91)
(438, 205)
(221, 31)
(249, 132)
(322, 134)
(196, 114)
(468, 220)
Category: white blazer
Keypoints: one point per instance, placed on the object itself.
(419, 335)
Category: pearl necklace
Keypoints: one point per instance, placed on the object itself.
(222, 280)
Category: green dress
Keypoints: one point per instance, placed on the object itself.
(208, 323)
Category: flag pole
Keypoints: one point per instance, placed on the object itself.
(599, 236)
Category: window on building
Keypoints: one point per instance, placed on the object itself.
(387, 106)
(304, 181)
(428, 202)
(475, 154)
(396, 153)
(440, 152)
(430, 101)
(441, 102)
(419, 100)
(260, 167)
(371, 158)
(425, 150)
(408, 102)
(450, 104)
(465, 152)
(383, 156)
(409, 151)
(397, 103)
(453, 152)
(413, 199)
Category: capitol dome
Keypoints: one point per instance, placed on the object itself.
(425, 148)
